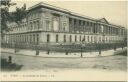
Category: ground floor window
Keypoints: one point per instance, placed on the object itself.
(48, 38)
(75, 38)
(64, 38)
(70, 38)
(88, 38)
(80, 38)
(91, 38)
(30, 38)
(83, 39)
(57, 38)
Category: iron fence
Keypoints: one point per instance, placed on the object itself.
(66, 48)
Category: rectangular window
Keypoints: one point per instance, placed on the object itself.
(56, 23)
(33, 38)
(30, 25)
(20, 38)
(37, 39)
(30, 38)
(35, 27)
(38, 25)
(64, 26)
(26, 38)
(47, 25)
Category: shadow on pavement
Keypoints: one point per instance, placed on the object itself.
(7, 66)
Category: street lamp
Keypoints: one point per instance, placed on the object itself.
(82, 45)
(15, 47)
(81, 52)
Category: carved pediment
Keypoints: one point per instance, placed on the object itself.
(103, 20)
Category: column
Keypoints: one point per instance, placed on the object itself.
(77, 25)
(70, 24)
(73, 25)
(84, 27)
(99, 28)
(110, 30)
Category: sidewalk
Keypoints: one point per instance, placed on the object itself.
(60, 54)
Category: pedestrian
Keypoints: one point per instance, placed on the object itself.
(10, 59)
(37, 52)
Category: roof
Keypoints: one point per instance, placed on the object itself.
(42, 4)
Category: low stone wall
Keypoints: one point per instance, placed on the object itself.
(27, 52)
(120, 50)
(107, 53)
(8, 50)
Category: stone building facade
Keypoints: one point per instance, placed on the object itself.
(48, 24)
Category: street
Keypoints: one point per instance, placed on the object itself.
(117, 62)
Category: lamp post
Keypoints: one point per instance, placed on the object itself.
(82, 45)
(15, 46)
(81, 52)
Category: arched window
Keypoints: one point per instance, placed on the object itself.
(91, 38)
(88, 38)
(57, 38)
(75, 38)
(83, 39)
(64, 38)
(70, 38)
(48, 38)
(80, 38)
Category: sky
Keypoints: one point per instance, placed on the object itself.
(115, 12)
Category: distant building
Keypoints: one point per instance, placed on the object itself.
(49, 24)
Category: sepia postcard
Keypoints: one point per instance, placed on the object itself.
(63, 40)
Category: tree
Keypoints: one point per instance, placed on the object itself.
(4, 7)
(6, 16)
(19, 14)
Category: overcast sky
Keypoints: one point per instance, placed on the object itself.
(113, 11)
